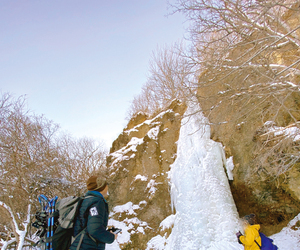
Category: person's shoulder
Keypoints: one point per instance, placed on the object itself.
(94, 197)
(90, 198)
(94, 194)
(254, 228)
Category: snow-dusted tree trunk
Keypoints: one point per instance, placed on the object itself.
(20, 235)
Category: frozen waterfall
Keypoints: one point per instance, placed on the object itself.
(206, 217)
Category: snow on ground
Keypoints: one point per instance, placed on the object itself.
(289, 237)
(153, 133)
(140, 177)
(120, 155)
(129, 208)
(129, 227)
(167, 222)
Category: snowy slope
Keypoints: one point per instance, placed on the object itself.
(289, 237)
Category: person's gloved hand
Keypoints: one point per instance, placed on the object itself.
(111, 229)
(238, 234)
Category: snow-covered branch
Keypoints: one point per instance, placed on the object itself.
(20, 234)
(7, 243)
(11, 214)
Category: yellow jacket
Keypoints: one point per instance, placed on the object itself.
(251, 234)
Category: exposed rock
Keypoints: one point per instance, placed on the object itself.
(138, 165)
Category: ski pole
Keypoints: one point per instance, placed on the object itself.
(48, 245)
(52, 218)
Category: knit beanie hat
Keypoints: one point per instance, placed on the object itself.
(250, 219)
(96, 183)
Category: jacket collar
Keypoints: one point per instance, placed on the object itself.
(255, 226)
(95, 193)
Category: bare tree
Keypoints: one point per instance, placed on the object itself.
(35, 159)
(247, 57)
(278, 146)
(169, 79)
(25, 156)
(79, 158)
(231, 37)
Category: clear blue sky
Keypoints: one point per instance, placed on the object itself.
(81, 62)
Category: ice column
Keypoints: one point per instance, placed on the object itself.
(206, 215)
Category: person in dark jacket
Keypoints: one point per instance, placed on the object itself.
(93, 215)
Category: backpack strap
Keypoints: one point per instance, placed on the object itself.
(81, 238)
(82, 233)
(257, 244)
(256, 241)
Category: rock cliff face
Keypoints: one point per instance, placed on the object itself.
(138, 163)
